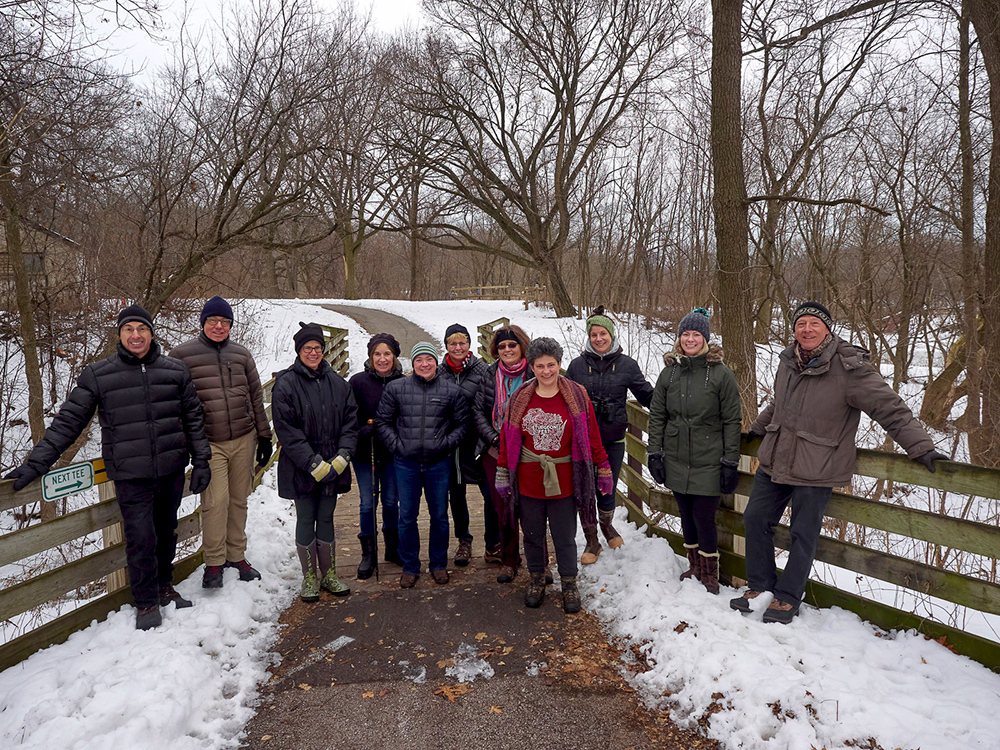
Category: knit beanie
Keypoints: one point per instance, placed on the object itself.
(696, 320)
(135, 314)
(383, 338)
(216, 308)
(457, 328)
(423, 347)
(308, 332)
(816, 310)
(598, 318)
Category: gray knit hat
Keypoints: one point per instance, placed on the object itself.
(816, 310)
(423, 347)
(696, 320)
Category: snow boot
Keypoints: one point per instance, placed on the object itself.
(710, 571)
(742, 603)
(169, 594)
(535, 592)
(390, 540)
(780, 612)
(593, 547)
(614, 538)
(369, 558)
(310, 584)
(247, 571)
(148, 618)
(694, 563)
(328, 570)
(212, 578)
(571, 594)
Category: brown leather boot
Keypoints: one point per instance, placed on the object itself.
(614, 538)
(710, 571)
(694, 563)
(593, 548)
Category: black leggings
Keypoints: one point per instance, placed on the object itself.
(314, 518)
(698, 520)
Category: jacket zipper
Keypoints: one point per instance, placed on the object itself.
(225, 391)
(149, 419)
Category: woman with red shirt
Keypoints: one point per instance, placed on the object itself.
(549, 447)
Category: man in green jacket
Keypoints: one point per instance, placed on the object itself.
(228, 385)
(820, 389)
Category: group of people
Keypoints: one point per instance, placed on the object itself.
(544, 449)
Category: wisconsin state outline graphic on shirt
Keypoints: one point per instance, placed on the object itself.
(546, 429)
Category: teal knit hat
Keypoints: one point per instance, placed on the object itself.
(598, 318)
(423, 347)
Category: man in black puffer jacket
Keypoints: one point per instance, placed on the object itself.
(421, 419)
(151, 424)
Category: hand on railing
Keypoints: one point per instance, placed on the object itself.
(930, 458)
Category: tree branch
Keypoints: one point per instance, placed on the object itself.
(817, 202)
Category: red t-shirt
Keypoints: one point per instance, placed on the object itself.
(546, 428)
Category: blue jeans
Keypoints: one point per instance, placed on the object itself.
(767, 502)
(411, 479)
(388, 496)
(616, 456)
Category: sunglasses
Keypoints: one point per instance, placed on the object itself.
(507, 345)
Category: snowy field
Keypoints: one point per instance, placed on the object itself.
(827, 680)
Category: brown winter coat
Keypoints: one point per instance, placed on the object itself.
(810, 426)
(225, 376)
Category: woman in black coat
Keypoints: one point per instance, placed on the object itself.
(316, 421)
(608, 374)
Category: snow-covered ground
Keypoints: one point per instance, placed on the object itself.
(827, 679)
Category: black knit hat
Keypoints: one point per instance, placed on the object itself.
(216, 308)
(457, 328)
(696, 320)
(308, 332)
(135, 314)
(383, 338)
(816, 310)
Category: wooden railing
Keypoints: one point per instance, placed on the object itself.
(529, 294)
(107, 563)
(648, 505)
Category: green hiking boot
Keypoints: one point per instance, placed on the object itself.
(310, 588)
(333, 584)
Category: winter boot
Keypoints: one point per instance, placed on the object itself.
(169, 594)
(390, 540)
(212, 578)
(464, 552)
(571, 594)
(310, 584)
(369, 558)
(148, 618)
(614, 538)
(593, 548)
(247, 571)
(694, 563)
(535, 592)
(710, 571)
(328, 570)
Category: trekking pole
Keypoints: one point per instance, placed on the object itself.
(375, 499)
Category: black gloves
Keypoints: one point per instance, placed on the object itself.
(264, 450)
(200, 478)
(755, 433)
(927, 460)
(24, 475)
(729, 476)
(656, 467)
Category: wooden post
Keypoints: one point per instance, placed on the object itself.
(114, 534)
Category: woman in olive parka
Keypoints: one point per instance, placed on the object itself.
(694, 439)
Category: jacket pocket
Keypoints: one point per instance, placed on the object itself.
(765, 454)
(813, 456)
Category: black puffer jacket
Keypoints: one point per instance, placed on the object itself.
(420, 420)
(470, 380)
(608, 378)
(151, 419)
(368, 387)
(482, 410)
(314, 413)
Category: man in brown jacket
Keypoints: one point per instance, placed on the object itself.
(809, 428)
(225, 376)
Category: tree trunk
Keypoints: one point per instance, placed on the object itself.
(985, 17)
(562, 302)
(729, 203)
(351, 247)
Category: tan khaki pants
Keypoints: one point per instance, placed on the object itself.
(224, 503)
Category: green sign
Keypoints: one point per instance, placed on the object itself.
(68, 481)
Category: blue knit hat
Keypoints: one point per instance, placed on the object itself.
(216, 308)
(423, 347)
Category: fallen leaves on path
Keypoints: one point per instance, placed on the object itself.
(496, 710)
(451, 692)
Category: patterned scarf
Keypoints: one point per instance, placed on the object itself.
(803, 357)
(457, 368)
(509, 379)
(584, 486)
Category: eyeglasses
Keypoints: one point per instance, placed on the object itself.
(130, 330)
(214, 322)
(312, 349)
(507, 345)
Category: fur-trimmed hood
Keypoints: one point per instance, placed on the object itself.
(675, 356)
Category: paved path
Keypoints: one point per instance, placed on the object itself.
(375, 321)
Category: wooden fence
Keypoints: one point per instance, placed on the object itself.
(530, 294)
(107, 563)
(648, 504)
